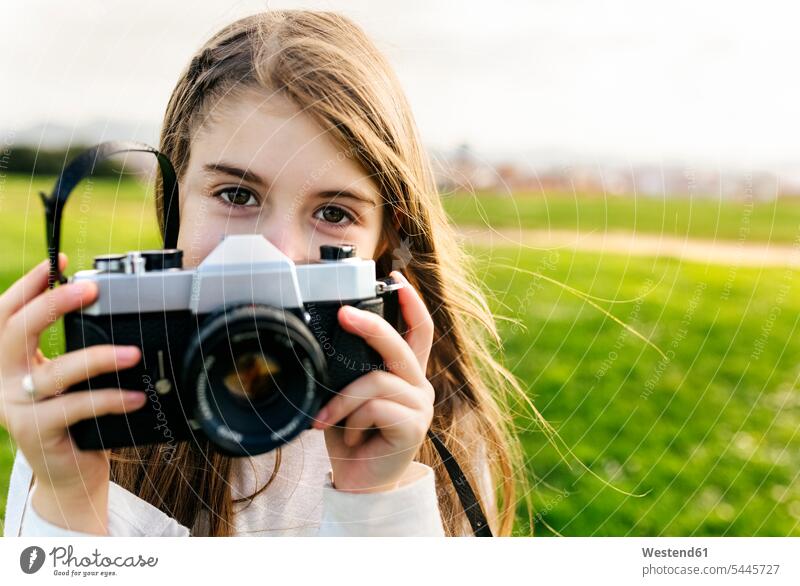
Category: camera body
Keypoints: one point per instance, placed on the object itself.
(243, 350)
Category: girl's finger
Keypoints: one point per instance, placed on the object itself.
(397, 423)
(29, 322)
(27, 287)
(56, 415)
(418, 320)
(374, 385)
(59, 374)
(387, 341)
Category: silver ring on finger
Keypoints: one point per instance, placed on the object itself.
(28, 387)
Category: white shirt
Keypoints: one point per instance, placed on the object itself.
(300, 501)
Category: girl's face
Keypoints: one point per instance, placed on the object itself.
(261, 166)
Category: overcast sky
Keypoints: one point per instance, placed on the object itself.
(706, 81)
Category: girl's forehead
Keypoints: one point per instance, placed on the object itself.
(272, 136)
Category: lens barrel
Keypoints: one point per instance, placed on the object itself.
(257, 371)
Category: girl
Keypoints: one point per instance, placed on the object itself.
(291, 125)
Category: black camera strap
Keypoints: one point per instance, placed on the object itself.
(84, 165)
(469, 502)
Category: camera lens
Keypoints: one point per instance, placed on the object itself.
(257, 371)
(253, 379)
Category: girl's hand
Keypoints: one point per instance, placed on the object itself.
(387, 413)
(71, 484)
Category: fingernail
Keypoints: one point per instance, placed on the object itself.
(402, 277)
(350, 310)
(127, 352)
(322, 417)
(83, 287)
(134, 397)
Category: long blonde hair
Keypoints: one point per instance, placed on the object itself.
(327, 66)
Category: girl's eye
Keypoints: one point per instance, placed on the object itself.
(333, 215)
(237, 196)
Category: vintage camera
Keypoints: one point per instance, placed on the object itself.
(244, 350)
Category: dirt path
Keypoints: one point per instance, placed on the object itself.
(723, 252)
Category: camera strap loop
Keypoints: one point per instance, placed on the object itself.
(472, 508)
(84, 165)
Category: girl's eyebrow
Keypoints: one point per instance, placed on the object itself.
(345, 193)
(234, 171)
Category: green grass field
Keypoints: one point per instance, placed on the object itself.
(707, 217)
(710, 435)
(708, 438)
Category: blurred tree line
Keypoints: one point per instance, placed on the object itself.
(34, 161)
